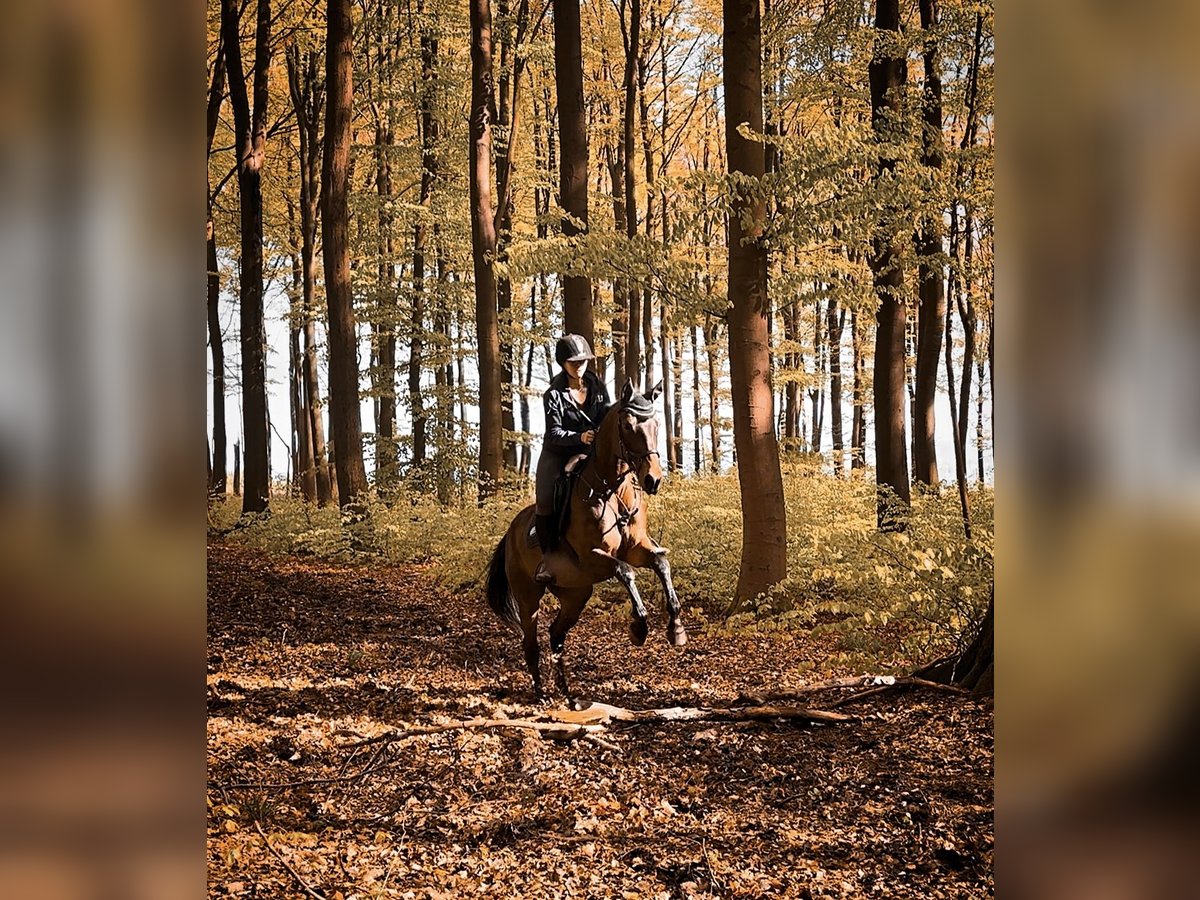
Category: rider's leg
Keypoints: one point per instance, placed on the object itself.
(549, 467)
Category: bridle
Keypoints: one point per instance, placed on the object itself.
(626, 514)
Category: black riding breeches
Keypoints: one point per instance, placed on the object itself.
(550, 466)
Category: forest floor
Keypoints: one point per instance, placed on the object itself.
(307, 657)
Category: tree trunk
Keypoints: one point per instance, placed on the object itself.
(960, 464)
(308, 90)
(301, 439)
(858, 428)
(218, 478)
(218, 482)
(429, 129)
(816, 394)
(344, 408)
(677, 379)
(387, 454)
(835, 322)
(237, 469)
(620, 321)
(572, 129)
(966, 314)
(764, 517)
(509, 74)
(791, 389)
(930, 284)
(632, 300)
(483, 244)
(712, 334)
(697, 448)
(887, 76)
(648, 165)
(251, 139)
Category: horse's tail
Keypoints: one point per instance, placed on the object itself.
(499, 597)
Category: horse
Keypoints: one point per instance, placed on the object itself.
(606, 537)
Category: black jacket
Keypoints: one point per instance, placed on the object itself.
(565, 420)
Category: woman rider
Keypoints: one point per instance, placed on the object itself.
(575, 404)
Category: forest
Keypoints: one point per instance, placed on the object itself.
(773, 219)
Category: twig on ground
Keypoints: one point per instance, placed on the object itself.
(308, 889)
(600, 742)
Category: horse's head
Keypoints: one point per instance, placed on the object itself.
(637, 427)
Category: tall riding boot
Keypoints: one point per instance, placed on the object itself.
(548, 541)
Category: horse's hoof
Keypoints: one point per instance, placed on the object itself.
(638, 629)
(676, 635)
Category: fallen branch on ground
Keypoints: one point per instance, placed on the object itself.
(877, 684)
(308, 889)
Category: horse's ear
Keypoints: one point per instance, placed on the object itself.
(657, 390)
(627, 391)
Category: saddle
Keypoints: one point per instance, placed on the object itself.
(564, 487)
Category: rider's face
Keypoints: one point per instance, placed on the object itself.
(576, 369)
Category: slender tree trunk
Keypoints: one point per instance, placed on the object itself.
(504, 161)
(858, 428)
(697, 442)
(791, 390)
(429, 131)
(345, 412)
(648, 163)
(816, 394)
(620, 322)
(835, 322)
(304, 486)
(764, 517)
(308, 91)
(930, 284)
(965, 297)
(237, 469)
(388, 313)
(966, 314)
(251, 139)
(677, 379)
(526, 384)
(218, 481)
(887, 76)
(483, 242)
(572, 127)
(711, 336)
(633, 302)
(960, 462)
(979, 373)
(443, 389)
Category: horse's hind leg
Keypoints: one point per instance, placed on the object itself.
(529, 602)
(571, 603)
(638, 628)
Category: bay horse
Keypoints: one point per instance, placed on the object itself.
(606, 537)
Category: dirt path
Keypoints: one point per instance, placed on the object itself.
(305, 655)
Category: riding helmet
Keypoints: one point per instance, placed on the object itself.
(572, 348)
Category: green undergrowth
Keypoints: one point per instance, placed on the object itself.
(879, 600)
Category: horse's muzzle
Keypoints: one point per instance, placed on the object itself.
(651, 484)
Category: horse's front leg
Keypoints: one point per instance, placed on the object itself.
(676, 634)
(651, 556)
(638, 629)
